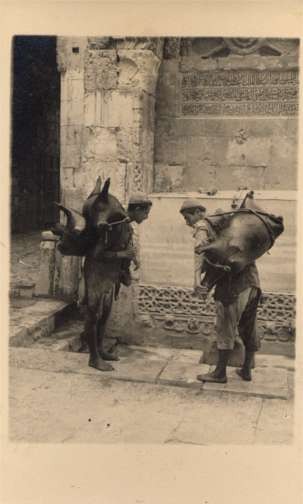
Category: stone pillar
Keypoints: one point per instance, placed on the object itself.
(118, 142)
(102, 110)
(138, 73)
(70, 60)
(119, 96)
(45, 285)
(139, 84)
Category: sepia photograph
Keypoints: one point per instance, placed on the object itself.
(153, 222)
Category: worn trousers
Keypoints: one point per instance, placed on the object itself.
(238, 319)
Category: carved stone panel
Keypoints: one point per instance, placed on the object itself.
(179, 301)
(177, 310)
(240, 92)
(171, 47)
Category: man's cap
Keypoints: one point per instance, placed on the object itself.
(191, 204)
(140, 199)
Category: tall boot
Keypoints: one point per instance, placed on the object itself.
(245, 371)
(219, 374)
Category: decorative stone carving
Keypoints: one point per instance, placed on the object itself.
(146, 75)
(100, 42)
(128, 70)
(137, 182)
(169, 322)
(178, 303)
(217, 47)
(138, 74)
(171, 47)
(101, 71)
(278, 307)
(172, 301)
(287, 47)
(241, 136)
(244, 45)
(185, 46)
(146, 321)
(240, 92)
(154, 44)
(193, 326)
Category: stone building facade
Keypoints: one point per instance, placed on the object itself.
(177, 118)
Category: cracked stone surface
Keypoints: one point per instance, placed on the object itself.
(267, 382)
(56, 397)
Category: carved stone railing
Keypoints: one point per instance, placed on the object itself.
(177, 309)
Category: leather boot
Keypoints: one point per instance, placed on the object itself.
(245, 371)
(219, 374)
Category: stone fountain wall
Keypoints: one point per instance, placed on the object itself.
(180, 118)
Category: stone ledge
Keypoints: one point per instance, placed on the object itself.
(39, 318)
(286, 195)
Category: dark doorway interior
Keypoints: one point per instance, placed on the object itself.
(35, 133)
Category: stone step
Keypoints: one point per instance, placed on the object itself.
(31, 319)
(24, 290)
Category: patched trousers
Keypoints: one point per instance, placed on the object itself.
(238, 319)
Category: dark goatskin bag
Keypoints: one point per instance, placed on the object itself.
(239, 238)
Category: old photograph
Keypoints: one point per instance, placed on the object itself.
(153, 239)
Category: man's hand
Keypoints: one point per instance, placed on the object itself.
(202, 292)
(199, 291)
(208, 299)
(129, 253)
(136, 263)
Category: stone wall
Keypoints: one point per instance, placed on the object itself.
(117, 122)
(226, 119)
(167, 244)
(227, 115)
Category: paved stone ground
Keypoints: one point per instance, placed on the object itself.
(167, 366)
(56, 397)
(151, 397)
